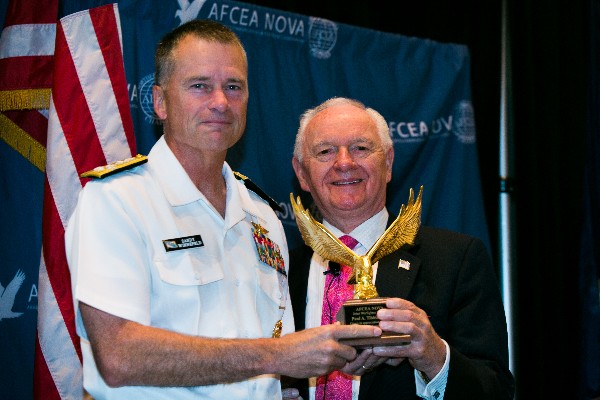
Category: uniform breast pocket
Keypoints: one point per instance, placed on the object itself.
(272, 283)
(184, 268)
(184, 287)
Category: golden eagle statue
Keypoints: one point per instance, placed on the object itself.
(401, 232)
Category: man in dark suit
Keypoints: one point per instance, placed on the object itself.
(442, 290)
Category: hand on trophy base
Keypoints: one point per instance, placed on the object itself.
(364, 312)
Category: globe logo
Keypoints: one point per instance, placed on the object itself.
(145, 96)
(322, 35)
(464, 122)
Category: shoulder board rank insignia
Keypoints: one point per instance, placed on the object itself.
(252, 186)
(117, 166)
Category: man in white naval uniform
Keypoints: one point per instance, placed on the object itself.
(179, 272)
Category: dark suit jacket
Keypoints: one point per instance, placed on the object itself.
(451, 277)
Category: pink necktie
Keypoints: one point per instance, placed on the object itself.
(336, 385)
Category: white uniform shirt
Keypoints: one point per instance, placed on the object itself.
(119, 264)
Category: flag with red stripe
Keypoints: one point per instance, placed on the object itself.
(26, 62)
(26, 54)
(89, 125)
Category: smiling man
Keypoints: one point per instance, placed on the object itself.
(442, 291)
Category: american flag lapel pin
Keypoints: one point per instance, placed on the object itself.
(403, 264)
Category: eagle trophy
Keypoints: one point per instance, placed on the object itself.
(401, 232)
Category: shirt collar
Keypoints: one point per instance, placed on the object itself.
(366, 233)
(172, 178)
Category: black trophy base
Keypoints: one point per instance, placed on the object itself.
(386, 339)
(364, 312)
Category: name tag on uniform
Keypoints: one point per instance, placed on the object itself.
(183, 243)
(268, 251)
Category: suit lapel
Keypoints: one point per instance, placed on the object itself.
(393, 279)
(298, 283)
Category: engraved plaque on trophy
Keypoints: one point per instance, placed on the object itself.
(364, 312)
(362, 309)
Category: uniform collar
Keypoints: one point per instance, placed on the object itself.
(239, 202)
(179, 189)
(172, 178)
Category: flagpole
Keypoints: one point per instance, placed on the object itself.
(506, 202)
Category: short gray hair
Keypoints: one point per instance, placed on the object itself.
(205, 29)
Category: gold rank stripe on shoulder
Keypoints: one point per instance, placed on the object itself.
(117, 166)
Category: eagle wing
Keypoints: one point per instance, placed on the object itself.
(402, 231)
(320, 239)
